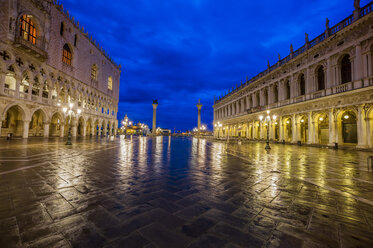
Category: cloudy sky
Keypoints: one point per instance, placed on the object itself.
(179, 51)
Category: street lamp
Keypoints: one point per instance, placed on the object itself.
(267, 120)
(70, 112)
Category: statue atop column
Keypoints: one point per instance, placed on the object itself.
(357, 11)
(154, 128)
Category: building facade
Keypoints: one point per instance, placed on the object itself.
(320, 94)
(53, 75)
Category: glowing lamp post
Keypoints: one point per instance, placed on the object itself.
(268, 120)
(70, 111)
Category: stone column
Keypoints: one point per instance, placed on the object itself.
(18, 83)
(2, 83)
(93, 131)
(155, 105)
(368, 61)
(74, 129)
(293, 87)
(311, 130)
(362, 133)
(309, 85)
(332, 133)
(329, 74)
(26, 125)
(84, 130)
(62, 130)
(369, 131)
(29, 93)
(294, 130)
(261, 132)
(46, 129)
(281, 129)
(358, 67)
(199, 106)
(40, 93)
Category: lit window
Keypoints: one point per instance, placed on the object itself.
(28, 30)
(67, 56)
(94, 72)
(110, 83)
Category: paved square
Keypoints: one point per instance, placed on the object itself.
(179, 192)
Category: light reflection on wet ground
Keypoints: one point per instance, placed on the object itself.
(181, 192)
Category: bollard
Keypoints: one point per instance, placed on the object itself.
(299, 143)
(283, 142)
(336, 146)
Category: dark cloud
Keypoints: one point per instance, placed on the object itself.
(180, 51)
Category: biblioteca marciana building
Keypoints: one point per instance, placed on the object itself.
(321, 94)
(53, 74)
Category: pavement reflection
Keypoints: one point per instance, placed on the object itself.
(182, 192)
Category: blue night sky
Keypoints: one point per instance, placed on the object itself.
(178, 51)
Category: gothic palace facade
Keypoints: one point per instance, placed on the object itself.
(321, 94)
(53, 74)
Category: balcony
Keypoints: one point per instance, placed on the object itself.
(342, 88)
(285, 102)
(299, 99)
(9, 92)
(36, 50)
(318, 94)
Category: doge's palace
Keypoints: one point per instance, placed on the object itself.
(320, 94)
(53, 74)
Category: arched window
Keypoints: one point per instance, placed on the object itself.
(275, 94)
(302, 85)
(346, 69)
(287, 86)
(110, 83)
(94, 72)
(27, 29)
(67, 55)
(10, 81)
(265, 97)
(320, 78)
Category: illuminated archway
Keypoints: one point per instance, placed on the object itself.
(322, 128)
(13, 121)
(36, 126)
(348, 127)
(56, 125)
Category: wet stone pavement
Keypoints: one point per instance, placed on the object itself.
(179, 192)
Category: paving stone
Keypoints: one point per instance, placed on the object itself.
(208, 241)
(193, 211)
(198, 227)
(238, 237)
(164, 237)
(9, 234)
(90, 196)
(135, 240)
